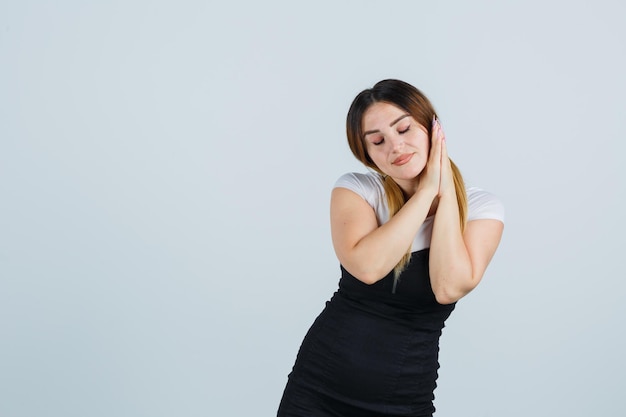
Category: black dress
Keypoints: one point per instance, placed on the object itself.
(373, 351)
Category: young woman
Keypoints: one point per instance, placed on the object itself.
(411, 240)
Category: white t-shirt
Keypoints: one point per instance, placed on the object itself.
(480, 204)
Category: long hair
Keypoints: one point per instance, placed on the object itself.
(414, 102)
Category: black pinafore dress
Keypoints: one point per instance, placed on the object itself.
(373, 351)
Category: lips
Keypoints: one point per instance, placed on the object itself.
(402, 159)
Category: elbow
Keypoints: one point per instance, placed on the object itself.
(447, 297)
(369, 277)
(452, 285)
(448, 294)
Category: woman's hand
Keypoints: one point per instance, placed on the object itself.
(430, 177)
(446, 183)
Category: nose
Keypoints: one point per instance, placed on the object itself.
(397, 142)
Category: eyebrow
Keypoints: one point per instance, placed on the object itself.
(390, 124)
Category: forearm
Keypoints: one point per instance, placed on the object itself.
(449, 262)
(377, 253)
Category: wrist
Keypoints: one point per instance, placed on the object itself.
(429, 192)
(448, 194)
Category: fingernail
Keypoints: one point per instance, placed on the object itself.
(434, 120)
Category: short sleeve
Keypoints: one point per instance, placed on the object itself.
(370, 188)
(354, 182)
(483, 205)
(367, 186)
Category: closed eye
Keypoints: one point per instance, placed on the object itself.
(402, 132)
(379, 142)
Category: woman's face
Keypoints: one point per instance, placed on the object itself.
(396, 143)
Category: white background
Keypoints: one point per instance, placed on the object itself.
(165, 172)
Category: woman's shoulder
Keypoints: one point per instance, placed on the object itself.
(364, 184)
(370, 187)
(482, 204)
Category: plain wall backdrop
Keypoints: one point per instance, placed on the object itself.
(165, 174)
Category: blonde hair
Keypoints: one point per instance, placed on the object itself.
(414, 102)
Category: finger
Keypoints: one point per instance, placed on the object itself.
(444, 149)
(446, 173)
(442, 134)
(439, 141)
(433, 130)
(436, 140)
(433, 168)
